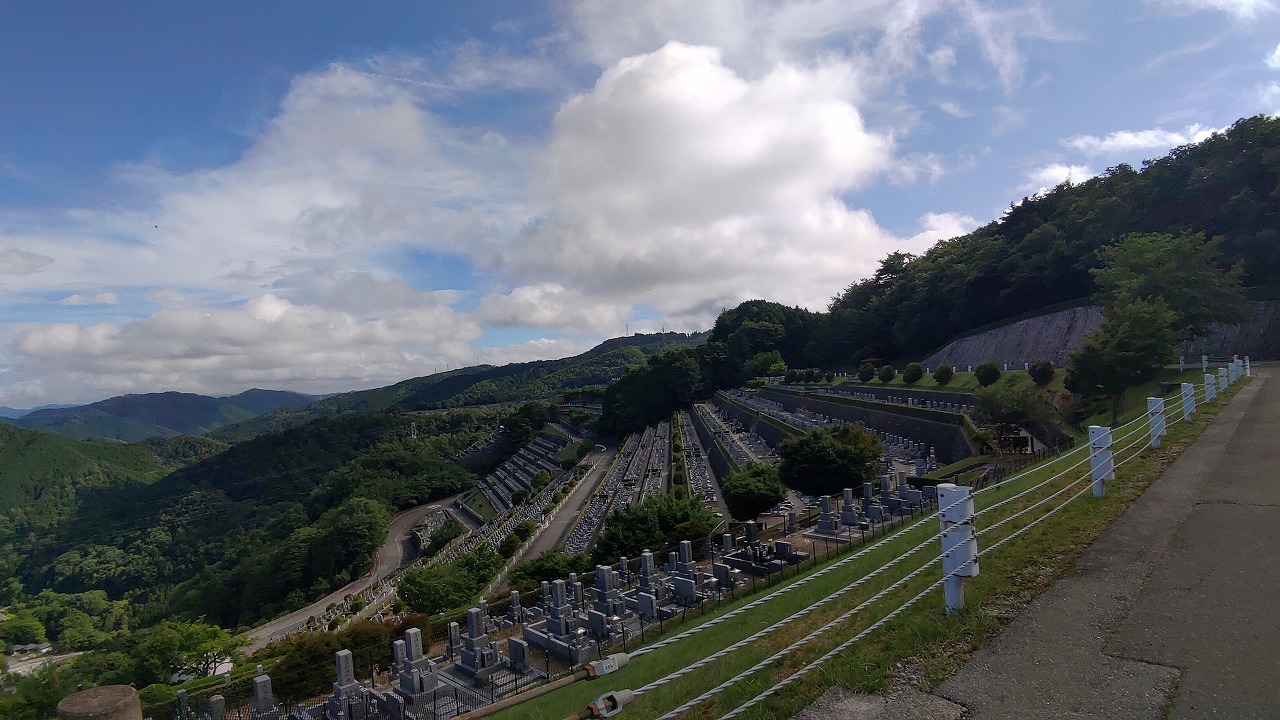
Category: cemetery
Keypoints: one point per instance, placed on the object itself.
(516, 474)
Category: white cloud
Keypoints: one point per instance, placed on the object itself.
(1273, 60)
(20, 262)
(105, 298)
(954, 109)
(549, 305)
(1240, 9)
(678, 182)
(1127, 141)
(265, 341)
(1269, 98)
(1046, 177)
(942, 226)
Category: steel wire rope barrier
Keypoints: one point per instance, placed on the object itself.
(901, 608)
(840, 619)
(875, 546)
(880, 623)
(864, 579)
(911, 575)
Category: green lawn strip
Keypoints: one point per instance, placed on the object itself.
(923, 646)
(666, 660)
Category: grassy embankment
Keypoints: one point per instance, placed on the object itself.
(922, 645)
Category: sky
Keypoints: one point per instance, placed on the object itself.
(323, 196)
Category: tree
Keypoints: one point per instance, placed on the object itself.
(752, 490)
(1005, 407)
(765, 364)
(912, 373)
(524, 529)
(886, 373)
(827, 460)
(22, 629)
(1134, 341)
(866, 372)
(1182, 270)
(943, 374)
(1041, 372)
(987, 374)
(509, 545)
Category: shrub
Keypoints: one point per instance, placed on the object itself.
(886, 373)
(912, 373)
(866, 372)
(987, 373)
(509, 545)
(1041, 372)
(943, 375)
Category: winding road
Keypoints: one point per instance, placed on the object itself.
(396, 552)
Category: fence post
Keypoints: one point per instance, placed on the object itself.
(959, 546)
(1155, 420)
(1248, 371)
(1210, 386)
(1100, 460)
(1188, 400)
(1223, 382)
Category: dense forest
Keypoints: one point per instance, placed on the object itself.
(1039, 254)
(240, 532)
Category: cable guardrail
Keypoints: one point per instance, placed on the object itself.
(1145, 435)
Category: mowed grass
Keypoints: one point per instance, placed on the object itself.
(919, 647)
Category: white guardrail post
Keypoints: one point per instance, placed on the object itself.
(959, 546)
(1155, 420)
(1248, 371)
(1100, 460)
(1222, 380)
(1188, 400)
(1210, 386)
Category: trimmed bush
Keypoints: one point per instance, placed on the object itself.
(912, 373)
(987, 374)
(1041, 372)
(866, 372)
(943, 375)
(887, 373)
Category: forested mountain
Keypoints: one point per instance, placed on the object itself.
(244, 531)
(479, 385)
(165, 414)
(1038, 255)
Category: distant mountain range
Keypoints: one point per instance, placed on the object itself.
(8, 413)
(478, 385)
(136, 417)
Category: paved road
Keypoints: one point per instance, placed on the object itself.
(559, 527)
(396, 552)
(1172, 612)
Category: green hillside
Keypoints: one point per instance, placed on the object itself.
(136, 417)
(256, 528)
(478, 385)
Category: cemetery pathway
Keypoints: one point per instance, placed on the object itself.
(1171, 613)
(396, 552)
(562, 523)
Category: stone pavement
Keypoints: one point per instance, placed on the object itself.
(1172, 611)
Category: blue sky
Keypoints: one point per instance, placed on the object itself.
(331, 196)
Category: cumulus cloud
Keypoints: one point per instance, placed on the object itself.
(941, 226)
(954, 109)
(1273, 60)
(678, 182)
(1046, 177)
(1126, 141)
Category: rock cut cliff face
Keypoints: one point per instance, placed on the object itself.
(1055, 336)
(1257, 337)
(1049, 337)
